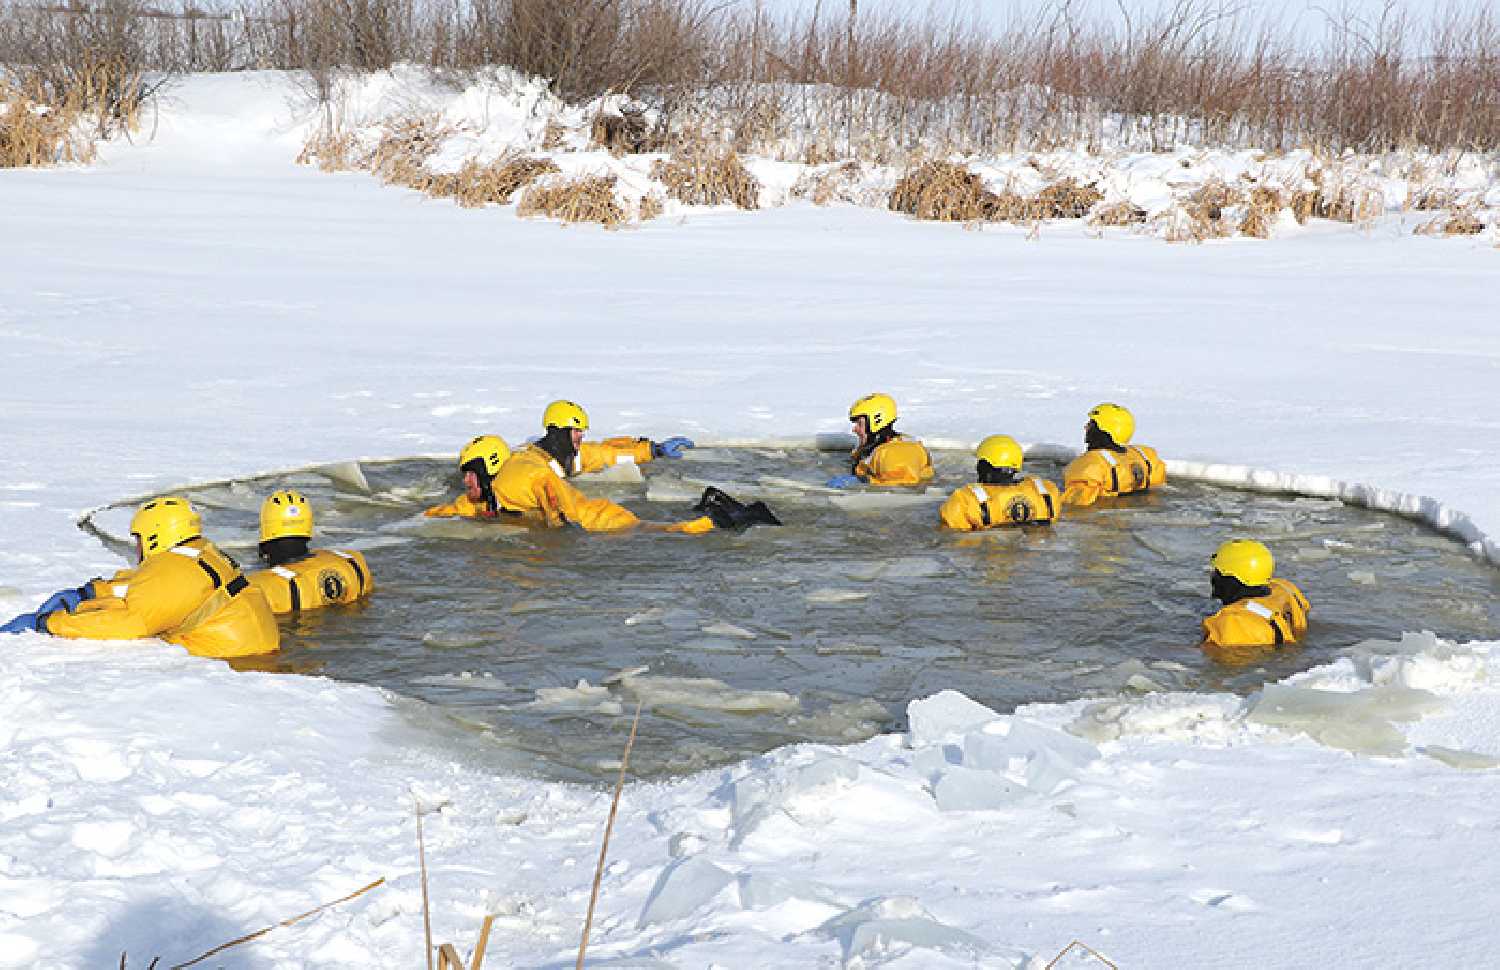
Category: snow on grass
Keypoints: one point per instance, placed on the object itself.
(197, 307)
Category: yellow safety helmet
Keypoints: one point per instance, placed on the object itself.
(490, 447)
(878, 410)
(286, 514)
(1001, 451)
(565, 414)
(1246, 560)
(1115, 421)
(163, 523)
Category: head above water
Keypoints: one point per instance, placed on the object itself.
(872, 415)
(163, 523)
(1110, 426)
(999, 460)
(563, 427)
(1241, 567)
(286, 525)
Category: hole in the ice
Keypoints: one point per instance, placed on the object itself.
(821, 630)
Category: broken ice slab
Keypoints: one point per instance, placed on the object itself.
(758, 796)
(1357, 721)
(346, 473)
(1461, 759)
(960, 789)
(682, 889)
(892, 923)
(945, 715)
(1042, 758)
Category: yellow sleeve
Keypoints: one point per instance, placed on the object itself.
(596, 456)
(957, 512)
(161, 595)
(361, 568)
(1158, 467)
(1083, 480)
(460, 508)
(104, 588)
(276, 589)
(1050, 490)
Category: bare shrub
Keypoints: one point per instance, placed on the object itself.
(585, 199)
(703, 174)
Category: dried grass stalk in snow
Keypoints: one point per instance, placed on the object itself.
(701, 174)
(626, 133)
(1264, 205)
(34, 133)
(1432, 199)
(332, 148)
(590, 198)
(1065, 199)
(1121, 213)
(652, 205)
(400, 157)
(1462, 222)
(1345, 201)
(836, 184)
(478, 184)
(943, 192)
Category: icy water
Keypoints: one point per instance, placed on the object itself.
(543, 642)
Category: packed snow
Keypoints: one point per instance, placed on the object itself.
(197, 307)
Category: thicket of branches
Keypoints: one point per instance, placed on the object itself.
(1191, 72)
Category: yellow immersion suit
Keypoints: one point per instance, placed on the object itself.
(592, 456)
(1260, 621)
(977, 507)
(462, 507)
(1102, 473)
(324, 577)
(191, 595)
(532, 485)
(899, 461)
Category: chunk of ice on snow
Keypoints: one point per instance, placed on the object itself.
(946, 714)
(1460, 759)
(961, 789)
(890, 924)
(763, 890)
(1357, 721)
(683, 888)
(757, 797)
(1041, 758)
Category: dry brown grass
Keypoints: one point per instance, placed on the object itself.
(54, 116)
(831, 183)
(943, 192)
(1118, 214)
(400, 157)
(495, 183)
(704, 174)
(331, 148)
(1460, 222)
(651, 206)
(625, 133)
(1263, 205)
(34, 133)
(589, 198)
(1065, 199)
(1432, 199)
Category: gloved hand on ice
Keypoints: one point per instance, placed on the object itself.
(65, 599)
(22, 623)
(843, 481)
(672, 447)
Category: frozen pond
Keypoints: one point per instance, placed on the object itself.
(542, 642)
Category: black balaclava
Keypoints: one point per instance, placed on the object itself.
(990, 475)
(278, 552)
(558, 442)
(873, 440)
(1227, 589)
(1093, 438)
(486, 484)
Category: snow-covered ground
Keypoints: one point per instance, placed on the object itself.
(197, 307)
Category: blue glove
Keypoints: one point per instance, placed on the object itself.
(22, 623)
(672, 447)
(66, 599)
(844, 481)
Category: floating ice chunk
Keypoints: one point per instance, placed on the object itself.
(446, 639)
(708, 694)
(1358, 721)
(829, 596)
(347, 473)
(944, 716)
(909, 567)
(880, 501)
(1041, 758)
(755, 798)
(1462, 760)
(650, 615)
(720, 628)
(628, 474)
(582, 695)
(1362, 577)
(683, 888)
(890, 925)
(960, 789)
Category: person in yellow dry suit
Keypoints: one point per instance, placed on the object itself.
(479, 462)
(533, 485)
(1259, 610)
(1002, 496)
(883, 457)
(185, 591)
(298, 579)
(563, 427)
(1111, 466)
